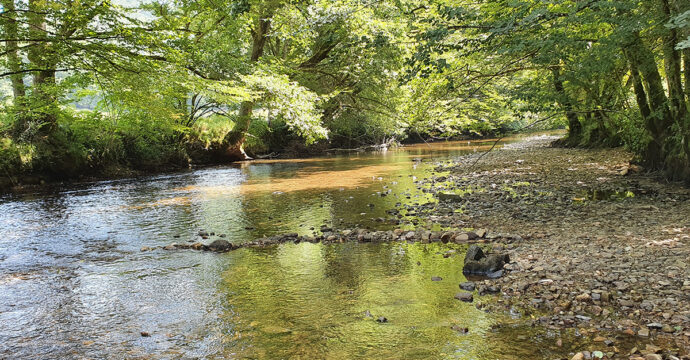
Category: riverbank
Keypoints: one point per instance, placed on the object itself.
(174, 159)
(605, 247)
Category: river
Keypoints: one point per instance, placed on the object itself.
(74, 283)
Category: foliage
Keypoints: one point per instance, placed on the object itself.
(93, 85)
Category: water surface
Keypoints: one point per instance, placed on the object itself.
(74, 283)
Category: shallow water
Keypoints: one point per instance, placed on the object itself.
(73, 283)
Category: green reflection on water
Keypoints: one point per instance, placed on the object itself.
(309, 301)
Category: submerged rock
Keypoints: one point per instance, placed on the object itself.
(460, 329)
(464, 296)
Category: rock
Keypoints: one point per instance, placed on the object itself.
(367, 314)
(653, 357)
(578, 356)
(197, 246)
(464, 296)
(667, 329)
(145, 334)
(485, 266)
(220, 246)
(655, 325)
(445, 238)
(474, 253)
(436, 278)
(146, 248)
(172, 246)
(449, 197)
(643, 332)
(468, 286)
(491, 289)
(382, 319)
(461, 238)
(495, 274)
(583, 298)
(460, 329)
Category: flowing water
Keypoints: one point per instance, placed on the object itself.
(74, 283)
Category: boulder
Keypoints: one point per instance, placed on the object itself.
(477, 263)
(474, 253)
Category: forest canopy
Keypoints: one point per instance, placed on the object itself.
(100, 86)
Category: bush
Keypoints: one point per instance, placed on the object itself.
(10, 158)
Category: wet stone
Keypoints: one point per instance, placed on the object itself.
(468, 286)
(220, 246)
(464, 296)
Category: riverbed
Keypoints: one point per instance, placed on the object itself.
(74, 283)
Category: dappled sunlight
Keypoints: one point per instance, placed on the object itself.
(322, 179)
(176, 201)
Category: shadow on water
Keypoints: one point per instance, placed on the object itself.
(74, 284)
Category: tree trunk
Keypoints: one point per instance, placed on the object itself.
(41, 56)
(686, 71)
(14, 62)
(638, 88)
(672, 63)
(660, 120)
(234, 140)
(574, 125)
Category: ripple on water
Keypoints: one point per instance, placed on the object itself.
(73, 282)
